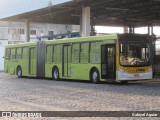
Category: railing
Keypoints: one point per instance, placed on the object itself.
(57, 36)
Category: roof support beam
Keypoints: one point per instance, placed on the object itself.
(85, 21)
(125, 29)
(131, 29)
(150, 30)
(27, 31)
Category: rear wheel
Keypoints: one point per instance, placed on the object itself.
(19, 72)
(94, 76)
(55, 73)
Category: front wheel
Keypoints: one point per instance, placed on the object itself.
(94, 76)
(55, 74)
(19, 72)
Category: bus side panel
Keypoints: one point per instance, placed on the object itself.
(82, 71)
(88, 58)
(57, 61)
(12, 62)
(6, 60)
(84, 57)
(18, 56)
(28, 61)
(77, 71)
(49, 67)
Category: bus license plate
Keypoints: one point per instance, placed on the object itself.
(136, 75)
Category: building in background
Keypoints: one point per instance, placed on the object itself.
(3, 43)
(14, 32)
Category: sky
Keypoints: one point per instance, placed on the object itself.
(13, 7)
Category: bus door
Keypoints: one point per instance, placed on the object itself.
(108, 62)
(32, 61)
(66, 65)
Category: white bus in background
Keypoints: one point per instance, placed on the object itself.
(3, 43)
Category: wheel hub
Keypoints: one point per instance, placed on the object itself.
(95, 75)
(55, 74)
(19, 73)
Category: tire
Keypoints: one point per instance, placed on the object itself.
(124, 82)
(94, 76)
(19, 72)
(55, 74)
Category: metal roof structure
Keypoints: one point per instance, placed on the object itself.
(103, 12)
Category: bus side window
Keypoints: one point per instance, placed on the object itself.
(19, 53)
(57, 54)
(13, 53)
(84, 53)
(95, 52)
(75, 52)
(49, 52)
(24, 53)
(8, 52)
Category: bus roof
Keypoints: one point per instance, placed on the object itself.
(21, 44)
(110, 39)
(83, 39)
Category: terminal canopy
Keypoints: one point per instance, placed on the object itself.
(103, 12)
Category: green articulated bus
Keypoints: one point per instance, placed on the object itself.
(119, 57)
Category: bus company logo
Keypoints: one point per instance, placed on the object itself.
(6, 114)
(140, 70)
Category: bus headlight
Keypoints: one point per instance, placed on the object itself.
(150, 70)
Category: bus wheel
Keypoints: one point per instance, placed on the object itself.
(55, 74)
(124, 82)
(94, 76)
(19, 72)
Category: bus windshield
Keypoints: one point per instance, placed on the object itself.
(134, 54)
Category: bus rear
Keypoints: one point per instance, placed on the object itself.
(134, 57)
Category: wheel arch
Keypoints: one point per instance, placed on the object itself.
(91, 70)
(55, 67)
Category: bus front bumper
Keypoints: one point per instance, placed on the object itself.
(133, 76)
